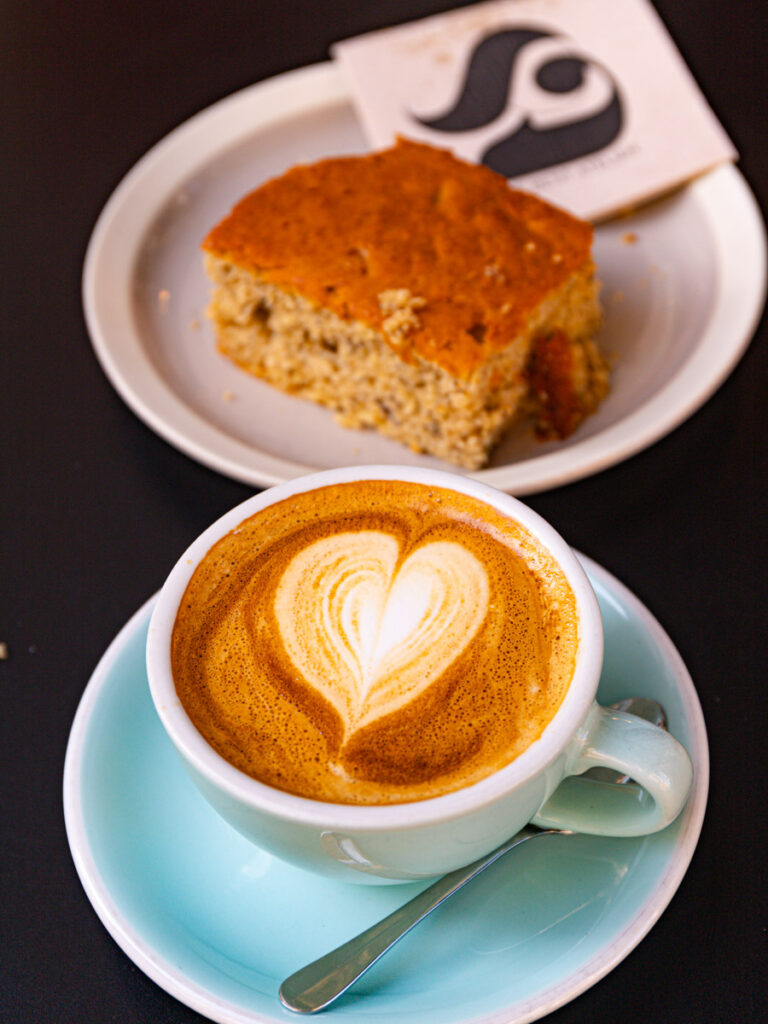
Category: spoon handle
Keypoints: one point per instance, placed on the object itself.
(315, 986)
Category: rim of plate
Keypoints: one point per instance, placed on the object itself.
(731, 211)
(201, 999)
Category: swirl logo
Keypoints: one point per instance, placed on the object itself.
(532, 101)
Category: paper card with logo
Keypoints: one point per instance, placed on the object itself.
(585, 102)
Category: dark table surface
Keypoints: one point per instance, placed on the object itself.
(95, 507)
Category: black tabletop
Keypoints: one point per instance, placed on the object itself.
(95, 507)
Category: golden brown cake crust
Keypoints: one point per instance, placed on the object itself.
(441, 256)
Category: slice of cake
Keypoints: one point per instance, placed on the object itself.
(413, 293)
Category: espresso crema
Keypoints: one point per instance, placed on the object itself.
(374, 642)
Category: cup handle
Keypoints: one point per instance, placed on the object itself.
(630, 745)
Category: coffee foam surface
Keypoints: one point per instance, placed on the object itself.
(374, 642)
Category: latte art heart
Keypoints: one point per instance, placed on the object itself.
(370, 632)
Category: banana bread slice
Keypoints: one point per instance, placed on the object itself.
(415, 294)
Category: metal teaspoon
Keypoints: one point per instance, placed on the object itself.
(316, 986)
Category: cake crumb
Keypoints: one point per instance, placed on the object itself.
(228, 396)
(629, 238)
(399, 309)
(494, 271)
(4, 652)
(163, 299)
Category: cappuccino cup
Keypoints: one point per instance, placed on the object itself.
(381, 673)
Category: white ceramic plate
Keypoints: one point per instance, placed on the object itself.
(683, 286)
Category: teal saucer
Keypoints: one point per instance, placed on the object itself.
(219, 924)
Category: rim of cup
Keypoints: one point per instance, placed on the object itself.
(534, 760)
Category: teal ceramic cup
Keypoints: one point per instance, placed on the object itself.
(421, 839)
